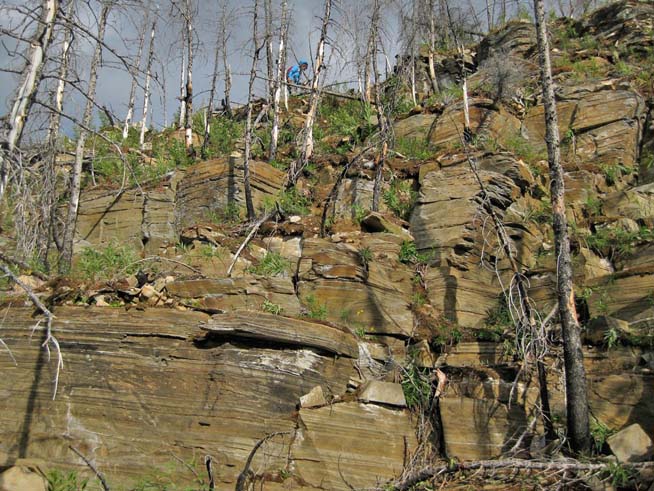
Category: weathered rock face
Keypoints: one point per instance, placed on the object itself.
(152, 218)
(138, 387)
(373, 296)
(210, 186)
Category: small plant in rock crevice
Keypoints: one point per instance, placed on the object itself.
(416, 385)
(271, 308)
(400, 198)
(108, 262)
(315, 309)
(272, 264)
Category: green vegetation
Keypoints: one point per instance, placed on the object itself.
(619, 474)
(613, 172)
(413, 148)
(65, 481)
(358, 213)
(616, 243)
(418, 299)
(108, 262)
(409, 254)
(271, 308)
(365, 255)
(316, 310)
(272, 264)
(290, 201)
(498, 321)
(416, 386)
(229, 214)
(525, 149)
(347, 119)
(541, 214)
(400, 198)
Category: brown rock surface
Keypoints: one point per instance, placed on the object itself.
(136, 391)
(374, 297)
(211, 185)
(351, 444)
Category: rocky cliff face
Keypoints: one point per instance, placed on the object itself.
(324, 351)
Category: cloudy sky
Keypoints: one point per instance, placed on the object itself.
(114, 82)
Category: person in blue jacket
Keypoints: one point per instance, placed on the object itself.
(294, 73)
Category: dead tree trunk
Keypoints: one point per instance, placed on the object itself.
(432, 44)
(268, 14)
(146, 91)
(48, 230)
(182, 85)
(575, 375)
(382, 120)
(135, 70)
(225, 34)
(279, 81)
(31, 79)
(248, 123)
(66, 257)
(307, 146)
(188, 130)
(212, 96)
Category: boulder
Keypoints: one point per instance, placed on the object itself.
(20, 478)
(275, 329)
(631, 444)
(378, 392)
(347, 445)
(314, 398)
(229, 294)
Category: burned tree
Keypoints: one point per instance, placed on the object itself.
(248, 122)
(575, 374)
(278, 81)
(314, 97)
(66, 256)
(32, 72)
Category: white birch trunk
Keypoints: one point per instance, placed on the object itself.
(307, 146)
(132, 91)
(76, 175)
(278, 82)
(188, 131)
(146, 91)
(31, 79)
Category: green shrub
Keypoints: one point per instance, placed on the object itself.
(358, 213)
(365, 255)
(413, 148)
(401, 198)
(416, 386)
(107, 263)
(409, 254)
(290, 201)
(525, 149)
(615, 243)
(316, 310)
(65, 481)
(273, 264)
(271, 308)
(613, 172)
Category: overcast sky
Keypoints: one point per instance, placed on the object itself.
(122, 36)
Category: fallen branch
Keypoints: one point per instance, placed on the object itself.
(207, 463)
(160, 259)
(105, 486)
(49, 316)
(246, 472)
(513, 464)
(249, 237)
(24, 266)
